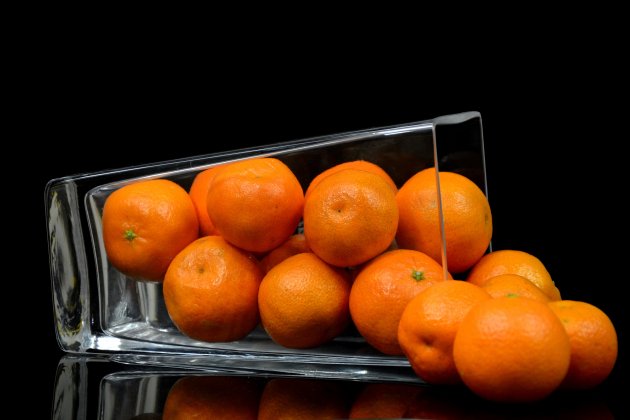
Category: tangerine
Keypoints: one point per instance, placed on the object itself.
(145, 225)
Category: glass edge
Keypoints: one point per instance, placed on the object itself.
(80, 339)
(264, 149)
(453, 119)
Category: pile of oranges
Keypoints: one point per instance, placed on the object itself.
(370, 254)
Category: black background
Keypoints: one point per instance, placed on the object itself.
(555, 172)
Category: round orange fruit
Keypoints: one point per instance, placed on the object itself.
(296, 244)
(211, 290)
(255, 204)
(467, 218)
(304, 302)
(593, 343)
(429, 324)
(145, 225)
(514, 262)
(383, 289)
(514, 285)
(199, 195)
(361, 165)
(512, 349)
(350, 217)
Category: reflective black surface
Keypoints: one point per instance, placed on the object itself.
(93, 388)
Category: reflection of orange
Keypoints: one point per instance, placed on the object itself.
(145, 225)
(383, 401)
(514, 285)
(302, 399)
(255, 204)
(212, 397)
(361, 165)
(467, 218)
(296, 244)
(593, 343)
(429, 324)
(211, 290)
(304, 302)
(512, 349)
(383, 289)
(199, 195)
(350, 217)
(514, 262)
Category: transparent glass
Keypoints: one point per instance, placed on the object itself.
(100, 310)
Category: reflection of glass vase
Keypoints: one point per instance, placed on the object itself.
(123, 394)
(123, 391)
(94, 387)
(70, 392)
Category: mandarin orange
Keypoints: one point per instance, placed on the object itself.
(383, 289)
(296, 244)
(304, 302)
(593, 343)
(467, 218)
(428, 326)
(514, 285)
(512, 349)
(255, 204)
(145, 224)
(199, 196)
(360, 165)
(514, 262)
(211, 290)
(350, 217)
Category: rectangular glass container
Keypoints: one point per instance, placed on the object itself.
(97, 309)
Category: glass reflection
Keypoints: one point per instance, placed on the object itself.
(88, 387)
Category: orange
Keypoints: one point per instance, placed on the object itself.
(350, 217)
(467, 218)
(514, 285)
(295, 399)
(360, 165)
(593, 343)
(512, 349)
(199, 195)
(514, 262)
(255, 204)
(212, 397)
(304, 302)
(211, 290)
(429, 324)
(145, 225)
(383, 289)
(383, 400)
(296, 244)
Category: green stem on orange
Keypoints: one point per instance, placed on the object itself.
(417, 275)
(130, 235)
